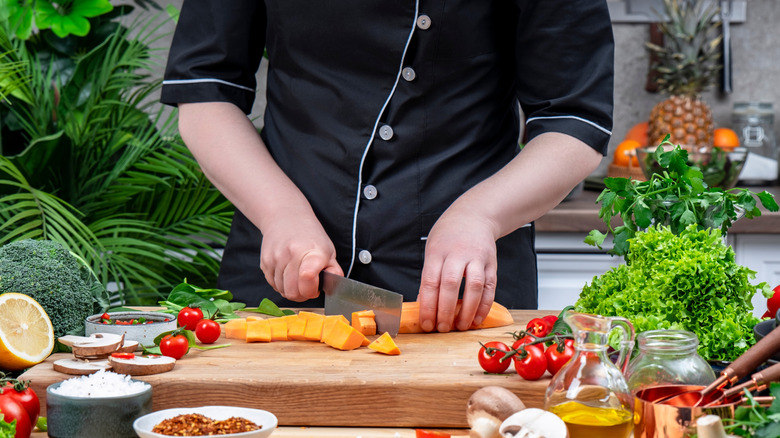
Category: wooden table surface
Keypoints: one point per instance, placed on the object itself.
(311, 384)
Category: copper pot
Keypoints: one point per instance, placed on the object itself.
(659, 420)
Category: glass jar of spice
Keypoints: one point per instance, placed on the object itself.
(668, 357)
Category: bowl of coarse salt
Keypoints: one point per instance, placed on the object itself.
(99, 405)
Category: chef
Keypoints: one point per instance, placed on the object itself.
(389, 151)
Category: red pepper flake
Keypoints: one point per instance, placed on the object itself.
(200, 425)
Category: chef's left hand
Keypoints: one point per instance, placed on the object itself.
(461, 248)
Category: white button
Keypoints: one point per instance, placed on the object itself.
(364, 256)
(423, 22)
(386, 132)
(369, 192)
(409, 74)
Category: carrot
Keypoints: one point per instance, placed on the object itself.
(498, 316)
(235, 328)
(258, 330)
(385, 344)
(343, 336)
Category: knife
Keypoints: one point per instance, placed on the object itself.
(344, 296)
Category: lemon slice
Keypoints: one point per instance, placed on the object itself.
(26, 333)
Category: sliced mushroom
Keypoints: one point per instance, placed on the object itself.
(80, 367)
(128, 347)
(533, 423)
(96, 346)
(142, 366)
(488, 407)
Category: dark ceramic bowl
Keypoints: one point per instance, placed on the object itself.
(95, 417)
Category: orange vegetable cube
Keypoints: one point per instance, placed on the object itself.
(278, 328)
(296, 327)
(313, 331)
(385, 344)
(343, 336)
(258, 330)
(235, 328)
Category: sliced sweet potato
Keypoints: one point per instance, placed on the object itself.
(498, 316)
(313, 330)
(258, 330)
(330, 320)
(296, 327)
(385, 344)
(364, 322)
(235, 328)
(343, 336)
(278, 328)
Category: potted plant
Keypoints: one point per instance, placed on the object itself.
(89, 158)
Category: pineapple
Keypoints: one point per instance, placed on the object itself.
(688, 63)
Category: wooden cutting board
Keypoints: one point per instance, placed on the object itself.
(311, 384)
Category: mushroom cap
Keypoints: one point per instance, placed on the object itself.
(495, 401)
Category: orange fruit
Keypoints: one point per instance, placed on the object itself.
(625, 153)
(725, 138)
(638, 132)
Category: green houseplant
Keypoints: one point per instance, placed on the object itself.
(90, 159)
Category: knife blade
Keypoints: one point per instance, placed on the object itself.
(725, 17)
(344, 296)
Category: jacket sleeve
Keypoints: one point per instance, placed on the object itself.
(216, 51)
(565, 69)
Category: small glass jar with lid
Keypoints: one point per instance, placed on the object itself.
(753, 123)
(668, 357)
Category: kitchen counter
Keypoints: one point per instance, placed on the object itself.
(580, 215)
(311, 384)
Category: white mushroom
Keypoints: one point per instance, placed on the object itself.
(128, 346)
(79, 367)
(98, 345)
(533, 423)
(142, 366)
(488, 407)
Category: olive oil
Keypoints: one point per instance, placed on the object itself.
(588, 422)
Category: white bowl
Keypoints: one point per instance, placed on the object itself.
(143, 333)
(143, 426)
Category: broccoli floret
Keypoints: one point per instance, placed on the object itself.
(59, 281)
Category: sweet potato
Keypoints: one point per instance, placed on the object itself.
(313, 331)
(235, 328)
(498, 316)
(343, 336)
(385, 344)
(330, 320)
(278, 328)
(364, 322)
(296, 327)
(258, 330)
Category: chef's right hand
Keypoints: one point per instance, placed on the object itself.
(292, 255)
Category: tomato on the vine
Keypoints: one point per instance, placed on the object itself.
(189, 316)
(490, 356)
(175, 346)
(524, 343)
(207, 331)
(538, 327)
(533, 365)
(552, 319)
(557, 356)
(13, 410)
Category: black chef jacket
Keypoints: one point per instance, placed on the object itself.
(384, 112)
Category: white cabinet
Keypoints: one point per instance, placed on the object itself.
(761, 253)
(566, 264)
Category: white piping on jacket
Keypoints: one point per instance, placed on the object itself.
(595, 125)
(196, 81)
(373, 134)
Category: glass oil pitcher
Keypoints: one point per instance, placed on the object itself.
(590, 393)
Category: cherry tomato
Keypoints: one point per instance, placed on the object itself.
(557, 357)
(527, 340)
(425, 433)
(207, 331)
(552, 319)
(773, 303)
(189, 317)
(13, 410)
(533, 365)
(491, 361)
(538, 327)
(26, 397)
(175, 346)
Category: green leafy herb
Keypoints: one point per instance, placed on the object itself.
(7, 430)
(268, 307)
(677, 197)
(687, 280)
(755, 420)
(215, 303)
